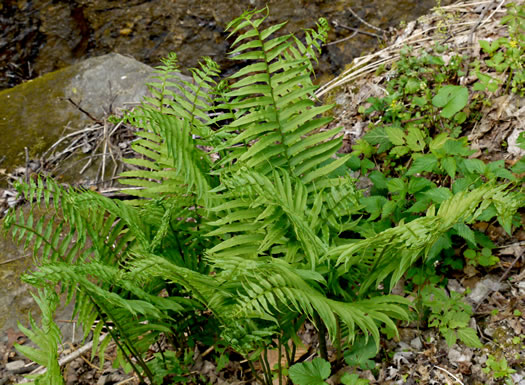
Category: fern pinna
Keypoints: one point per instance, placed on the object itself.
(236, 233)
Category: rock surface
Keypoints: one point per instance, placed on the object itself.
(16, 301)
(35, 114)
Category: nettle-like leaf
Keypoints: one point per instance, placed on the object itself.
(360, 354)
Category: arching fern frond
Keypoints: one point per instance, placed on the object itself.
(393, 251)
(47, 338)
(271, 286)
(269, 211)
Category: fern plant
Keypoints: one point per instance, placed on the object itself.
(237, 233)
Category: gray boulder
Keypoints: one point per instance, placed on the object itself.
(35, 114)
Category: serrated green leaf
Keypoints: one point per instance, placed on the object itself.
(379, 180)
(519, 167)
(396, 185)
(412, 85)
(388, 209)
(400, 151)
(438, 195)
(474, 166)
(449, 165)
(419, 101)
(378, 136)
(425, 163)
(353, 379)
(373, 205)
(438, 141)
(361, 352)
(457, 147)
(450, 336)
(469, 337)
(418, 184)
(395, 135)
(415, 139)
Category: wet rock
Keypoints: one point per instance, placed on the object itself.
(521, 287)
(454, 285)
(512, 140)
(416, 343)
(111, 378)
(34, 114)
(518, 378)
(72, 379)
(489, 331)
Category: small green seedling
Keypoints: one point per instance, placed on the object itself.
(499, 369)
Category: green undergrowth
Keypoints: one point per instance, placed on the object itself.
(243, 222)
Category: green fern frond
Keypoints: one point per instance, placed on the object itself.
(139, 319)
(51, 212)
(313, 39)
(47, 338)
(203, 288)
(393, 251)
(269, 286)
(274, 207)
(333, 207)
(178, 125)
(274, 98)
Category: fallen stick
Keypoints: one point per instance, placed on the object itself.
(364, 21)
(13, 260)
(336, 24)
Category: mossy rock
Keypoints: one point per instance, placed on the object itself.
(36, 113)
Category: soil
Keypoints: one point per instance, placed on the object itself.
(497, 294)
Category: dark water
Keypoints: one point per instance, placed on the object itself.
(43, 35)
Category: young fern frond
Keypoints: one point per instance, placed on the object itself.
(178, 125)
(334, 206)
(312, 48)
(47, 338)
(274, 99)
(203, 288)
(275, 215)
(271, 286)
(154, 176)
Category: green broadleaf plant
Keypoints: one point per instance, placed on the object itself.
(452, 99)
(310, 372)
